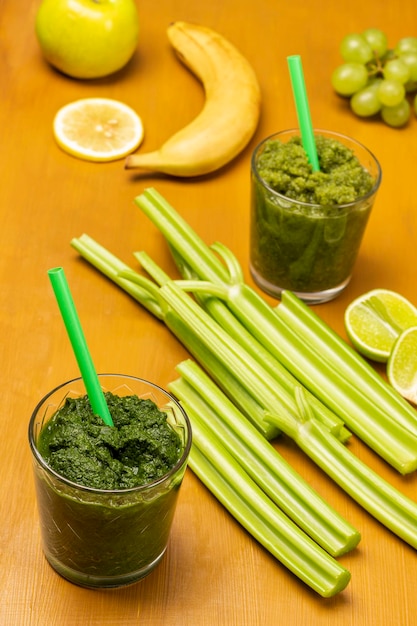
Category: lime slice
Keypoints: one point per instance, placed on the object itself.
(375, 320)
(98, 129)
(402, 365)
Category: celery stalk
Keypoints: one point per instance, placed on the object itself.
(248, 504)
(262, 461)
(385, 503)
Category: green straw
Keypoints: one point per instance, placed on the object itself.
(303, 109)
(79, 344)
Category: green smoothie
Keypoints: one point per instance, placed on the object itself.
(107, 495)
(307, 227)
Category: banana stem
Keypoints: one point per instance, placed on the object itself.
(148, 161)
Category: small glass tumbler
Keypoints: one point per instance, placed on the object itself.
(106, 538)
(309, 249)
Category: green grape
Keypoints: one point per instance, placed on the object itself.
(410, 60)
(349, 78)
(355, 49)
(365, 102)
(398, 115)
(390, 92)
(406, 44)
(397, 70)
(377, 40)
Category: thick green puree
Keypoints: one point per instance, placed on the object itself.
(306, 226)
(138, 449)
(342, 179)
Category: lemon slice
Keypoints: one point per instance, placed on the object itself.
(98, 129)
(375, 320)
(402, 365)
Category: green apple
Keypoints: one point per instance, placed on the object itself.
(87, 38)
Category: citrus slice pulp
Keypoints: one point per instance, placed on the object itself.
(402, 365)
(98, 129)
(375, 320)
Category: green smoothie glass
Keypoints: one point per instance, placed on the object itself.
(106, 538)
(307, 248)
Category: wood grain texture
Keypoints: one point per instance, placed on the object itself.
(213, 572)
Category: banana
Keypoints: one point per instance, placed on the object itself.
(230, 113)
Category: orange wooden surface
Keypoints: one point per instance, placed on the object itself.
(213, 573)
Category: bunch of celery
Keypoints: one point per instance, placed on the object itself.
(248, 348)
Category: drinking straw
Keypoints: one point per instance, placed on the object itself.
(303, 110)
(79, 344)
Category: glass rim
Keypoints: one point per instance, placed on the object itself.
(95, 490)
(306, 205)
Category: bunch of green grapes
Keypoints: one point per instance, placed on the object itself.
(378, 80)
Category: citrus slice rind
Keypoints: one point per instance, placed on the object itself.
(402, 365)
(374, 321)
(98, 129)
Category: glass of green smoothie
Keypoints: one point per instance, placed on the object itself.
(107, 494)
(307, 226)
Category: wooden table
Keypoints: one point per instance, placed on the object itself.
(214, 573)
